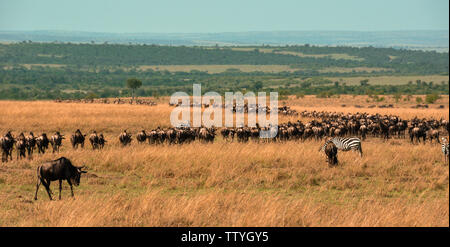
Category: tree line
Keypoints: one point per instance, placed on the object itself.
(400, 60)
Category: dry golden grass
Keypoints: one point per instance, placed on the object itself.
(221, 184)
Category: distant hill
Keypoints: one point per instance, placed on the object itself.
(424, 40)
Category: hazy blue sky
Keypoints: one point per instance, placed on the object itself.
(224, 15)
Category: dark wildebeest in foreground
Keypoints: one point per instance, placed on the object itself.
(59, 169)
(331, 152)
(141, 137)
(42, 143)
(21, 146)
(56, 141)
(125, 138)
(7, 144)
(77, 138)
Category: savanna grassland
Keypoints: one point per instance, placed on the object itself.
(288, 183)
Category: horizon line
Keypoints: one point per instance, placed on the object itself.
(149, 32)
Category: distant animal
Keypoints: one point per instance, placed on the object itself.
(125, 138)
(56, 141)
(345, 144)
(7, 144)
(445, 149)
(331, 151)
(42, 143)
(77, 139)
(94, 140)
(31, 143)
(21, 146)
(101, 141)
(433, 134)
(59, 169)
(141, 137)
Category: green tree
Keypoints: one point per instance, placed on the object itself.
(133, 84)
(364, 82)
(431, 98)
(397, 97)
(258, 85)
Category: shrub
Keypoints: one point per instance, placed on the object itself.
(431, 98)
(300, 95)
(397, 97)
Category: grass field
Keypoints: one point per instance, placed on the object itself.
(221, 184)
(336, 56)
(213, 69)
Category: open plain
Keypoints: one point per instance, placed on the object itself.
(395, 183)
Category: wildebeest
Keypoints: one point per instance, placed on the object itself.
(7, 144)
(94, 140)
(141, 137)
(31, 143)
(56, 141)
(331, 152)
(433, 134)
(42, 143)
(77, 138)
(59, 169)
(206, 134)
(101, 141)
(125, 138)
(21, 146)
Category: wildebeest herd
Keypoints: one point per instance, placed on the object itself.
(323, 125)
(244, 108)
(342, 132)
(117, 101)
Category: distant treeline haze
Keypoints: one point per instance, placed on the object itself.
(54, 70)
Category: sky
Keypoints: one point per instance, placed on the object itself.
(213, 16)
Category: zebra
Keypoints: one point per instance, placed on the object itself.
(445, 149)
(345, 144)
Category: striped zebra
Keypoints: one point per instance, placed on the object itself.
(445, 149)
(345, 144)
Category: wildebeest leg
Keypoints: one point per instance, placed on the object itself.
(71, 189)
(37, 188)
(47, 187)
(60, 188)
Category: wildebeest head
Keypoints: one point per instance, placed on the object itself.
(75, 179)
